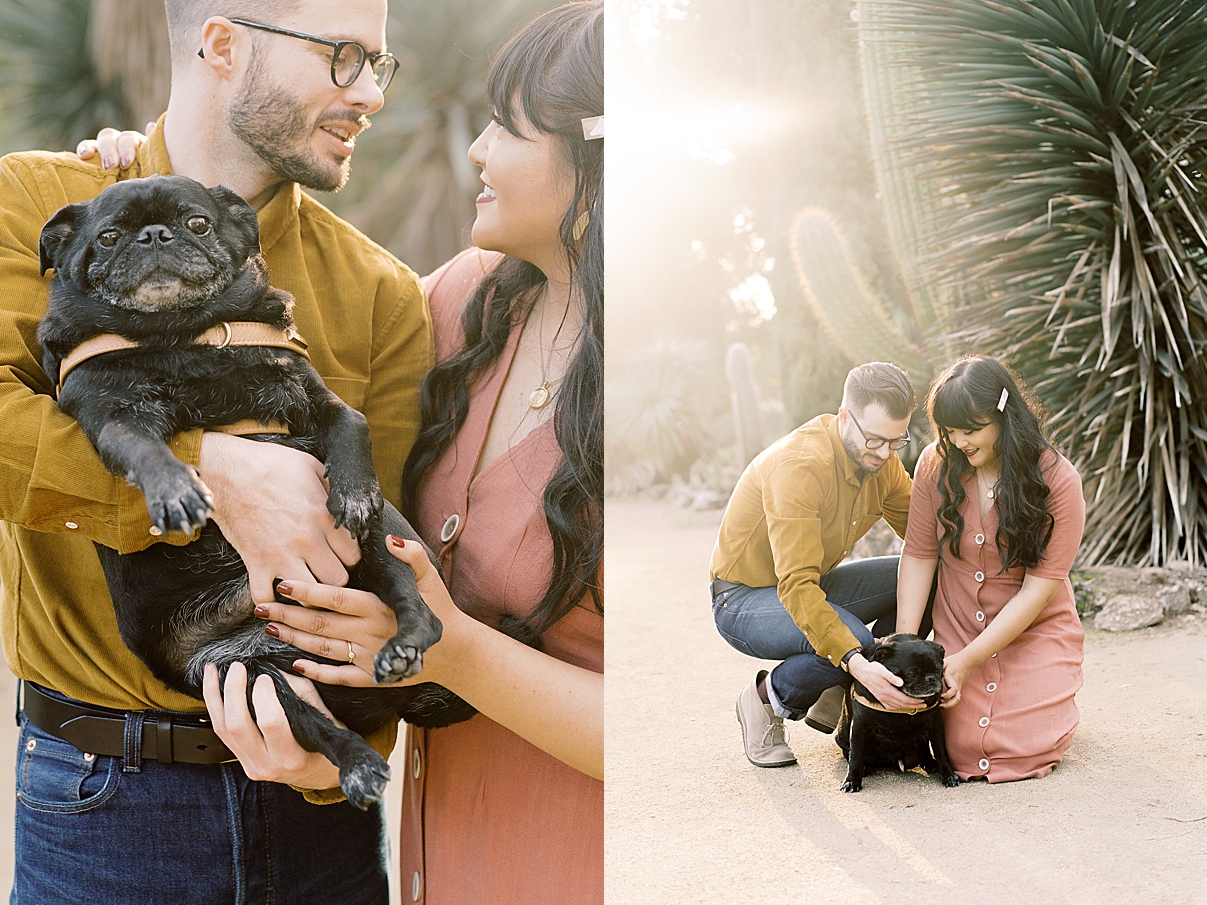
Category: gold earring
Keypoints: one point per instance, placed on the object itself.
(580, 225)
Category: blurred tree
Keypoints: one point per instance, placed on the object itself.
(128, 44)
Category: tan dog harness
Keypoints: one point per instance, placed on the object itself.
(236, 333)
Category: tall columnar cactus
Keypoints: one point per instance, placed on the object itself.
(1055, 154)
(744, 400)
(854, 316)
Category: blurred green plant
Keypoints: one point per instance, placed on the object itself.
(53, 94)
(1056, 153)
(654, 421)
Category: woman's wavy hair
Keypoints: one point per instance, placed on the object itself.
(551, 74)
(966, 397)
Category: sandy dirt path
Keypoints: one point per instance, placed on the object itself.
(689, 819)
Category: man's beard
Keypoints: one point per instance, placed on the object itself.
(270, 121)
(860, 456)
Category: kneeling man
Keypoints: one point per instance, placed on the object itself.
(778, 589)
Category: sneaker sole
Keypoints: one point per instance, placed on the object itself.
(780, 763)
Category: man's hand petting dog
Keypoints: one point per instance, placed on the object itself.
(883, 684)
(271, 503)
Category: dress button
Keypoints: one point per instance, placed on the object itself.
(71, 525)
(983, 764)
(449, 531)
(415, 886)
(979, 576)
(983, 722)
(980, 617)
(992, 686)
(980, 538)
(417, 763)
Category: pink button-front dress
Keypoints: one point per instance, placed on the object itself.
(489, 819)
(1016, 716)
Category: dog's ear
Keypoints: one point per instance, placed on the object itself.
(57, 233)
(242, 218)
(882, 650)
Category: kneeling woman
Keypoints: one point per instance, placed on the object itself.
(999, 513)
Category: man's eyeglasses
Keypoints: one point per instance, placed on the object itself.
(348, 58)
(877, 442)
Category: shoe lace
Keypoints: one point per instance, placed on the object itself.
(776, 733)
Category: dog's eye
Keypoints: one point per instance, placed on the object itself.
(109, 238)
(198, 225)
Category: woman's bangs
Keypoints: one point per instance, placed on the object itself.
(953, 408)
(514, 81)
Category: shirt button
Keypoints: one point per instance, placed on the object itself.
(449, 531)
(852, 524)
(992, 686)
(71, 525)
(417, 763)
(155, 532)
(983, 764)
(983, 722)
(980, 617)
(979, 576)
(980, 538)
(416, 882)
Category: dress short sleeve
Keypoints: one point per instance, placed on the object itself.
(921, 533)
(1067, 505)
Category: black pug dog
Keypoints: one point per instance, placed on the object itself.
(873, 737)
(160, 261)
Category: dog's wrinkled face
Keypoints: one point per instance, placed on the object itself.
(152, 244)
(919, 663)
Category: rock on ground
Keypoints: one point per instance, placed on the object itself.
(1123, 614)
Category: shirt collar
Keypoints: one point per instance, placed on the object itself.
(275, 217)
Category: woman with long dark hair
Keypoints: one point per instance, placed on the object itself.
(997, 511)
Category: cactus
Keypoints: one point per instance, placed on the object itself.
(747, 410)
(848, 308)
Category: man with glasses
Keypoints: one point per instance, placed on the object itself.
(779, 588)
(125, 792)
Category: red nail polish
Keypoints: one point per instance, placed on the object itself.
(299, 669)
(284, 588)
(397, 541)
(273, 630)
(261, 611)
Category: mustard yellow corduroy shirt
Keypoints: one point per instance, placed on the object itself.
(795, 514)
(364, 316)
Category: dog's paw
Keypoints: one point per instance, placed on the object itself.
(396, 661)
(364, 782)
(949, 778)
(177, 501)
(355, 508)
(852, 784)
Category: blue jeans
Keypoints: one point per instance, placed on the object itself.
(92, 830)
(754, 622)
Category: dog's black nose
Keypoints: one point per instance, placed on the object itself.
(155, 233)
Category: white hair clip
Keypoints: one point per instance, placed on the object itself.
(1001, 403)
(593, 127)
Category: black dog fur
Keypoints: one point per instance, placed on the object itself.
(159, 261)
(872, 738)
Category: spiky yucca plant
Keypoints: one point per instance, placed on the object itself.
(1061, 144)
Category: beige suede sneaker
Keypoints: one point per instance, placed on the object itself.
(763, 733)
(826, 710)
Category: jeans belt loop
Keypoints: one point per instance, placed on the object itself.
(132, 759)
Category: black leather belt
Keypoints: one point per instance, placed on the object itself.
(185, 738)
(719, 586)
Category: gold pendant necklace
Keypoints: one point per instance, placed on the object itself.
(538, 397)
(988, 490)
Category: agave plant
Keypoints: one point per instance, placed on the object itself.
(1058, 151)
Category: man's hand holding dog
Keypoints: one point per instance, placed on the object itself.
(271, 504)
(885, 686)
